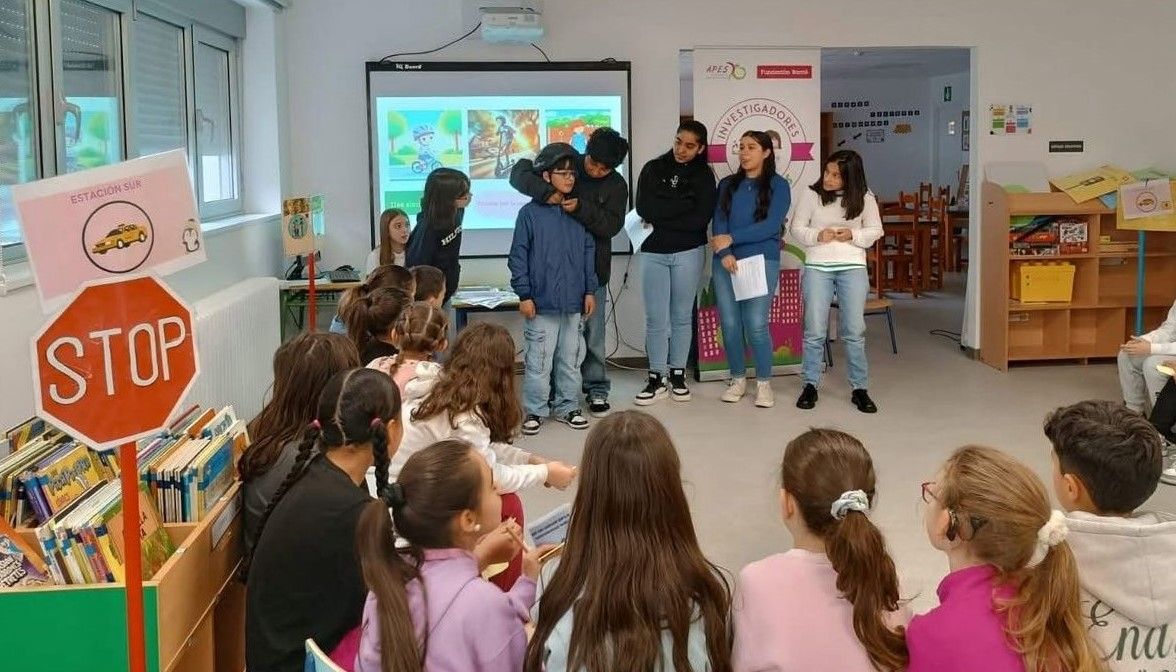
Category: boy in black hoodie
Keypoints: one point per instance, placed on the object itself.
(598, 202)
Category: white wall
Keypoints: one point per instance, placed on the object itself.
(947, 154)
(1060, 56)
(234, 253)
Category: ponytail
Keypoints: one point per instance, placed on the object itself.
(867, 578)
(386, 573)
(1045, 617)
(370, 316)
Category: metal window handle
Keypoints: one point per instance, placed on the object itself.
(66, 108)
(201, 121)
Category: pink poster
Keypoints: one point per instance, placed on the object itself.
(133, 217)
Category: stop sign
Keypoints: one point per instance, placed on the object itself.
(115, 363)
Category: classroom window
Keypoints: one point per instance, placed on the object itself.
(88, 83)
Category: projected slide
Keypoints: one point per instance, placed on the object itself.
(482, 136)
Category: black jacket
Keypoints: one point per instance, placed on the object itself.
(602, 206)
(678, 200)
(428, 246)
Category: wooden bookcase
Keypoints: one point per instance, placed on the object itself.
(1102, 313)
(194, 610)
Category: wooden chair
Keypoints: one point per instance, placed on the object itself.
(908, 202)
(937, 218)
(926, 193)
(897, 259)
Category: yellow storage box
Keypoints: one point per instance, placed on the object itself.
(1043, 283)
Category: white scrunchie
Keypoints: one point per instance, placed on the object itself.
(853, 500)
(1051, 534)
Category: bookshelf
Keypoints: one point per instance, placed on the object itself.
(194, 610)
(1101, 314)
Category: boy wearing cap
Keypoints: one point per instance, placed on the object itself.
(552, 269)
(598, 202)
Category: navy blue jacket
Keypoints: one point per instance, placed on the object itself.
(552, 259)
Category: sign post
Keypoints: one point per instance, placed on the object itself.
(111, 368)
(302, 221)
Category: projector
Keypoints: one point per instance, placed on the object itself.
(511, 24)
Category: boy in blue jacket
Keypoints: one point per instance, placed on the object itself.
(552, 269)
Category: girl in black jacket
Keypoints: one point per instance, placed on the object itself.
(436, 239)
(676, 195)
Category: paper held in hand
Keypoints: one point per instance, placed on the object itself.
(637, 229)
(750, 281)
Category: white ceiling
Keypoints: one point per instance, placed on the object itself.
(890, 62)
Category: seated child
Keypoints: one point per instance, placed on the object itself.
(443, 502)
(430, 285)
(387, 275)
(1106, 464)
(1011, 602)
(419, 334)
(832, 601)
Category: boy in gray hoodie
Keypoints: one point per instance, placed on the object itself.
(1106, 463)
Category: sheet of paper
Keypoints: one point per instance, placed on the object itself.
(751, 280)
(1018, 176)
(551, 528)
(1091, 184)
(1146, 199)
(637, 229)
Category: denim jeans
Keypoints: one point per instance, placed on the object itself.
(554, 352)
(595, 370)
(746, 322)
(851, 286)
(669, 285)
(337, 325)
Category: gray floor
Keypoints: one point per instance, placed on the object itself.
(933, 399)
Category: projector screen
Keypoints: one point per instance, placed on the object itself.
(482, 118)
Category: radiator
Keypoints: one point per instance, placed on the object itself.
(237, 332)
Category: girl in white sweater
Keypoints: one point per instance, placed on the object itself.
(836, 221)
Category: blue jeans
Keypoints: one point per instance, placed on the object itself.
(595, 370)
(851, 287)
(746, 322)
(337, 325)
(554, 352)
(669, 285)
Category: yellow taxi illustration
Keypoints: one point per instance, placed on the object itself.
(120, 237)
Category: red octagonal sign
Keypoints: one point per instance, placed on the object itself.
(116, 362)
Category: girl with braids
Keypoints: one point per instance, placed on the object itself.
(386, 275)
(832, 601)
(370, 319)
(428, 606)
(752, 205)
(420, 333)
(473, 398)
(632, 590)
(302, 367)
(304, 577)
(1012, 601)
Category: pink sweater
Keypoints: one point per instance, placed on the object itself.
(964, 633)
(789, 616)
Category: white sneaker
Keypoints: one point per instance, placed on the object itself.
(764, 396)
(735, 390)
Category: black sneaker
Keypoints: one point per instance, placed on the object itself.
(655, 390)
(531, 425)
(863, 402)
(599, 408)
(808, 397)
(678, 389)
(574, 419)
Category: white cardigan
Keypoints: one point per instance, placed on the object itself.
(1163, 339)
(811, 217)
(509, 463)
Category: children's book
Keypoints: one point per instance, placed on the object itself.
(21, 565)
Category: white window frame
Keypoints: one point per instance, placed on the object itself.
(185, 28)
(229, 206)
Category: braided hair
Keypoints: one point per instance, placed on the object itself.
(422, 328)
(354, 408)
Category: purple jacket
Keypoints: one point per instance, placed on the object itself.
(964, 633)
(472, 624)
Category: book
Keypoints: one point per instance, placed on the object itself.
(26, 431)
(157, 545)
(21, 565)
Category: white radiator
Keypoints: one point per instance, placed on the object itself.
(237, 332)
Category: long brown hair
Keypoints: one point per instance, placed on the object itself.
(632, 567)
(819, 466)
(436, 485)
(355, 407)
(386, 218)
(386, 275)
(478, 378)
(1002, 505)
(422, 328)
(370, 317)
(763, 198)
(302, 367)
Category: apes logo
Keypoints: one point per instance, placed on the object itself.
(728, 70)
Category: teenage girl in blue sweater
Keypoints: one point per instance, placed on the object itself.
(752, 205)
